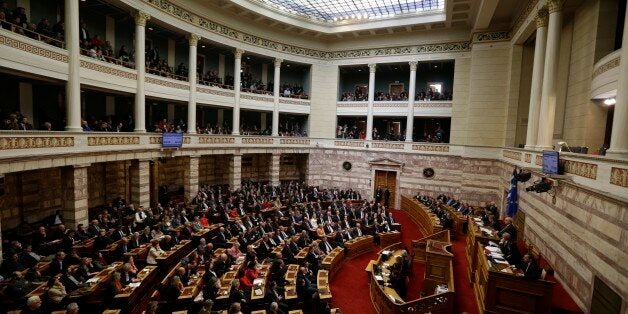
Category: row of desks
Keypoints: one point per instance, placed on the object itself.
(427, 222)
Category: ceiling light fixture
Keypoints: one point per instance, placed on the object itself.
(610, 101)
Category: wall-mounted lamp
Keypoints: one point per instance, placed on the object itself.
(610, 101)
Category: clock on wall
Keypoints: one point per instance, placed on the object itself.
(346, 166)
(428, 172)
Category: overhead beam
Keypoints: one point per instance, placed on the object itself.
(485, 13)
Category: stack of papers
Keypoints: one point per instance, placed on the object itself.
(497, 256)
(501, 261)
(258, 281)
(491, 243)
(493, 249)
(258, 291)
(134, 284)
(92, 280)
(487, 231)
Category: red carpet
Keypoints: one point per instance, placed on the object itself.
(349, 287)
(465, 297)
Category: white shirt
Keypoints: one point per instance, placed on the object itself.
(153, 253)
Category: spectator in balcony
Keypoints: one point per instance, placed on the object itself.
(3, 21)
(95, 41)
(20, 14)
(16, 25)
(59, 30)
(43, 27)
(46, 126)
(85, 126)
(107, 49)
(25, 125)
(4, 8)
(84, 33)
(123, 54)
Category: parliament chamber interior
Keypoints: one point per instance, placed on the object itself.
(319, 156)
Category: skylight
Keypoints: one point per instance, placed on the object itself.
(333, 11)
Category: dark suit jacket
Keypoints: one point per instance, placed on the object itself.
(531, 270)
(56, 268)
(510, 229)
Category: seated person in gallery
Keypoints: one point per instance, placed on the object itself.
(530, 267)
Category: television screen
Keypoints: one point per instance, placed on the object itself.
(550, 162)
(172, 140)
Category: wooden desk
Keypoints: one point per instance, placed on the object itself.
(427, 222)
(111, 312)
(322, 282)
(358, 246)
(290, 291)
(134, 298)
(388, 238)
(386, 300)
(258, 292)
(458, 220)
(301, 255)
(193, 288)
(175, 254)
(476, 236)
(498, 290)
(333, 260)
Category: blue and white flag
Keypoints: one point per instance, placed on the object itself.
(512, 196)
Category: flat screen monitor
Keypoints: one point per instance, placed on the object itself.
(550, 162)
(172, 140)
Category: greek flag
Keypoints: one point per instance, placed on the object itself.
(512, 196)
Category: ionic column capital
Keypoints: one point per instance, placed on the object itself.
(278, 62)
(372, 67)
(555, 5)
(541, 18)
(413, 65)
(141, 18)
(193, 39)
(238, 53)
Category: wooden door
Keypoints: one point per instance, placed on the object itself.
(387, 180)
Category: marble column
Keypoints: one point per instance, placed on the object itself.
(140, 183)
(275, 168)
(74, 180)
(547, 111)
(235, 171)
(193, 40)
(369, 116)
(619, 138)
(537, 79)
(73, 85)
(237, 88)
(276, 92)
(411, 94)
(140, 66)
(190, 177)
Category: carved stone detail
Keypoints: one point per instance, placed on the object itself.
(430, 148)
(619, 176)
(141, 18)
(112, 140)
(35, 142)
(541, 19)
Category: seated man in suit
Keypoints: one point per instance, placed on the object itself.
(58, 264)
(530, 267)
(509, 249)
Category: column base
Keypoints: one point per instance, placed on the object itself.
(139, 130)
(275, 135)
(73, 129)
(617, 153)
(235, 133)
(192, 132)
(408, 140)
(530, 147)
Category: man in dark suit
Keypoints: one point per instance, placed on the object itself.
(325, 245)
(508, 228)
(530, 268)
(58, 264)
(94, 228)
(509, 249)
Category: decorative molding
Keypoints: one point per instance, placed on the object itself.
(278, 62)
(255, 97)
(215, 92)
(33, 49)
(348, 143)
(388, 145)
(7, 143)
(237, 53)
(141, 18)
(158, 140)
(531, 7)
(528, 158)
(610, 64)
(294, 141)
(554, 6)
(112, 140)
(344, 104)
(103, 68)
(176, 11)
(255, 140)
(538, 160)
(290, 101)
(413, 65)
(372, 67)
(542, 18)
(390, 104)
(581, 169)
(431, 148)
(165, 83)
(193, 39)
(216, 140)
(512, 155)
(432, 104)
(491, 36)
(619, 176)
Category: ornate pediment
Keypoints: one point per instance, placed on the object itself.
(387, 163)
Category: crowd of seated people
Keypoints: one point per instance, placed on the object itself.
(16, 21)
(292, 129)
(254, 129)
(436, 136)
(292, 91)
(214, 129)
(357, 95)
(112, 123)
(432, 95)
(381, 96)
(163, 126)
(252, 85)
(344, 131)
(303, 217)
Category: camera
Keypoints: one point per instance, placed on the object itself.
(540, 186)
